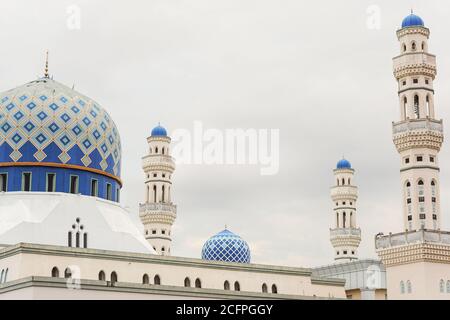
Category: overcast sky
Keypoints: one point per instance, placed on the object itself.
(312, 69)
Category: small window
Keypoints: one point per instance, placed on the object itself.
(67, 273)
(427, 81)
(345, 252)
(163, 231)
(3, 182)
(155, 175)
(441, 286)
(406, 160)
(404, 83)
(421, 199)
(431, 159)
(85, 240)
(264, 288)
(408, 286)
(226, 285)
(73, 184)
(101, 276)
(274, 289)
(108, 191)
(157, 280)
(114, 277)
(422, 216)
(409, 218)
(416, 81)
(434, 216)
(145, 279)
(55, 272)
(26, 181)
(408, 201)
(51, 182)
(198, 283)
(353, 252)
(163, 175)
(118, 195)
(402, 287)
(337, 253)
(237, 286)
(153, 231)
(187, 282)
(419, 159)
(94, 188)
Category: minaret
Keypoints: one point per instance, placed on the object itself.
(345, 236)
(418, 136)
(158, 213)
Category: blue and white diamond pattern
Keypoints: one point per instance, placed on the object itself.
(226, 246)
(43, 112)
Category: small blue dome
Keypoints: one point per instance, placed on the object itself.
(226, 246)
(159, 132)
(412, 21)
(343, 164)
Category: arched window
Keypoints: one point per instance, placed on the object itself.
(187, 282)
(101, 276)
(145, 279)
(67, 273)
(442, 286)
(264, 288)
(351, 219)
(343, 181)
(404, 47)
(344, 217)
(402, 287)
(405, 103)
(77, 239)
(433, 188)
(226, 285)
(147, 196)
(163, 150)
(69, 239)
(163, 250)
(413, 46)
(337, 182)
(448, 285)
(113, 277)
(274, 288)
(428, 106)
(337, 220)
(416, 106)
(157, 280)
(5, 278)
(85, 240)
(154, 193)
(237, 286)
(163, 197)
(198, 283)
(348, 181)
(156, 149)
(55, 272)
(408, 286)
(424, 46)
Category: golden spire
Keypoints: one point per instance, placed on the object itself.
(46, 66)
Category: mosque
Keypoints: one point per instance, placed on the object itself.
(65, 235)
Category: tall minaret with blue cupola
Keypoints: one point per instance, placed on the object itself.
(418, 135)
(158, 213)
(345, 236)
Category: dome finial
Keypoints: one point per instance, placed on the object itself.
(46, 65)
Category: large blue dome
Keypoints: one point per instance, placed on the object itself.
(226, 246)
(49, 128)
(159, 131)
(343, 164)
(412, 21)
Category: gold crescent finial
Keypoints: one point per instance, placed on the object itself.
(46, 65)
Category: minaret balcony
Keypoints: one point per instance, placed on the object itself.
(157, 161)
(415, 63)
(418, 133)
(157, 212)
(344, 232)
(412, 237)
(344, 192)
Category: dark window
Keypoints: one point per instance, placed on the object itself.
(187, 282)
(237, 286)
(337, 253)
(434, 216)
(406, 160)
(55, 272)
(94, 188)
(101, 276)
(415, 80)
(77, 239)
(264, 288)
(226, 285)
(345, 251)
(404, 83)
(155, 175)
(145, 279)
(433, 199)
(420, 183)
(67, 273)
(431, 159)
(153, 231)
(353, 252)
(408, 200)
(3, 182)
(85, 240)
(421, 199)
(427, 81)
(73, 184)
(108, 191)
(113, 277)
(419, 159)
(157, 280)
(163, 231)
(422, 216)
(51, 185)
(118, 195)
(274, 289)
(198, 283)
(408, 184)
(409, 218)
(26, 181)
(69, 238)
